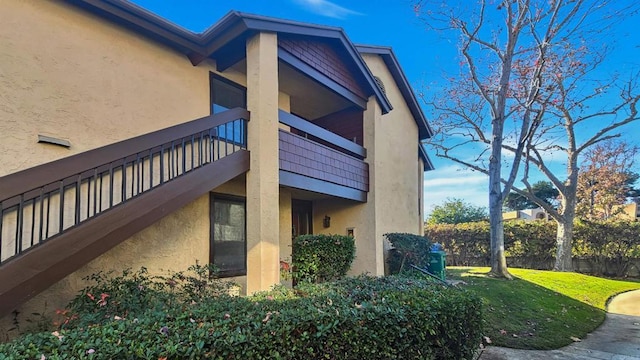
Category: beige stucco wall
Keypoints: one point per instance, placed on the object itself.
(359, 216)
(174, 243)
(263, 232)
(285, 230)
(395, 181)
(68, 74)
(396, 164)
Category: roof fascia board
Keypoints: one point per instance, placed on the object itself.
(321, 78)
(198, 47)
(393, 65)
(428, 165)
(261, 23)
(282, 26)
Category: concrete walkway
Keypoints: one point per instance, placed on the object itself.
(618, 338)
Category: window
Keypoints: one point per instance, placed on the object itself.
(227, 95)
(228, 249)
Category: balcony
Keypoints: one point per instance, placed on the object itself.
(321, 161)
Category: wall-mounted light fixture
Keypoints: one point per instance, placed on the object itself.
(326, 222)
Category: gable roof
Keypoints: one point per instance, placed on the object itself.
(200, 46)
(390, 60)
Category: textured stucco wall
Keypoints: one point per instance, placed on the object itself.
(172, 244)
(397, 183)
(394, 199)
(285, 229)
(263, 232)
(360, 216)
(68, 74)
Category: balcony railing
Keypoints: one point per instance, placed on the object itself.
(40, 203)
(334, 169)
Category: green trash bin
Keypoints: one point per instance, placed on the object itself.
(437, 261)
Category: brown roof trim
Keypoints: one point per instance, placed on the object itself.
(234, 24)
(428, 165)
(389, 58)
(143, 21)
(263, 23)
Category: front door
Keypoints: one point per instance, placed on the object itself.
(301, 223)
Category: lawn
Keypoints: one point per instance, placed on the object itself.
(540, 309)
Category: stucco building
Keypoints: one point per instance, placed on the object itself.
(103, 166)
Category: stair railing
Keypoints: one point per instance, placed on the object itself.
(42, 202)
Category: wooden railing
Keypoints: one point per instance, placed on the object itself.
(40, 203)
(334, 167)
(327, 136)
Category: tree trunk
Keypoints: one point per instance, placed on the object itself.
(564, 234)
(498, 259)
(496, 224)
(564, 237)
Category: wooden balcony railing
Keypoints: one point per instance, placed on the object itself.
(40, 203)
(336, 170)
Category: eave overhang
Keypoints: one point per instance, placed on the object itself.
(424, 129)
(428, 165)
(390, 60)
(200, 46)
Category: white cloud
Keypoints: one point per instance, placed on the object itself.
(454, 182)
(326, 8)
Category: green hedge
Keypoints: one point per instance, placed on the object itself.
(357, 318)
(319, 258)
(408, 249)
(606, 245)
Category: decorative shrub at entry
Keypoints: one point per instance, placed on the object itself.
(320, 258)
(358, 318)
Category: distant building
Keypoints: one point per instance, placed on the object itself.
(626, 212)
(528, 215)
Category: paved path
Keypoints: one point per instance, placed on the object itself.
(618, 338)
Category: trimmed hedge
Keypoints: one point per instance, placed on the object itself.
(608, 246)
(319, 258)
(408, 249)
(356, 318)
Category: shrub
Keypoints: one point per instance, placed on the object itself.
(133, 294)
(359, 318)
(320, 258)
(408, 249)
(606, 246)
(465, 243)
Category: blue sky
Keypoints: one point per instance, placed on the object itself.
(424, 55)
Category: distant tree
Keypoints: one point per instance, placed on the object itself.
(542, 189)
(456, 211)
(633, 193)
(530, 85)
(605, 179)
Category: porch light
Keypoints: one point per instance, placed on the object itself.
(326, 222)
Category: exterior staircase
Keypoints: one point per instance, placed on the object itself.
(57, 217)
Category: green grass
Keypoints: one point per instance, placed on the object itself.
(540, 309)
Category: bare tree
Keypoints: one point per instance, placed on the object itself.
(522, 92)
